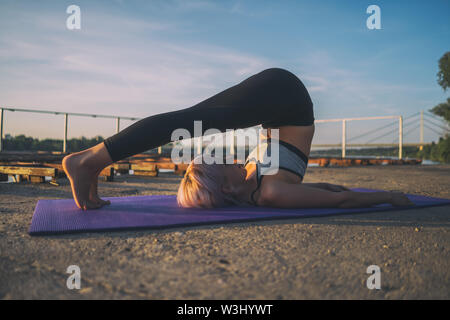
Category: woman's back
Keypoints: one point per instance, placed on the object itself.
(276, 159)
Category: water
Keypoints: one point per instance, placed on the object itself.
(429, 162)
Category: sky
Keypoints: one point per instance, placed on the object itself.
(140, 58)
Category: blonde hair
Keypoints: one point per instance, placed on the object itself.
(201, 187)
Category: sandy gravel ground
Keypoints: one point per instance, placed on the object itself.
(313, 258)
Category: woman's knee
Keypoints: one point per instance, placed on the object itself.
(278, 73)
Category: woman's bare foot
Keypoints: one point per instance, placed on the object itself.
(93, 192)
(81, 179)
(82, 169)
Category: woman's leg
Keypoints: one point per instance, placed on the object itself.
(299, 136)
(273, 97)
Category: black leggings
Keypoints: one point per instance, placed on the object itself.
(273, 97)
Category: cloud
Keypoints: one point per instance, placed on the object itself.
(158, 73)
(94, 73)
(126, 64)
(339, 91)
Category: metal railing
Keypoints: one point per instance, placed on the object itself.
(66, 120)
(343, 143)
(344, 130)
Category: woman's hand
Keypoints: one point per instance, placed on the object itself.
(399, 199)
(335, 187)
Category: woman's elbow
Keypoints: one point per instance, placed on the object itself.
(267, 196)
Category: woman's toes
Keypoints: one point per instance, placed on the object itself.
(103, 203)
(96, 205)
(100, 201)
(89, 205)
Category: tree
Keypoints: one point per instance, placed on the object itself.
(441, 150)
(442, 110)
(444, 71)
(22, 142)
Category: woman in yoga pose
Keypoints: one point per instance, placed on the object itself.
(275, 98)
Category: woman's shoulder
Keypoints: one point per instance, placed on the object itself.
(267, 187)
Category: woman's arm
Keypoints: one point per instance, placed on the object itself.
(285, 195)
(327, 186)
(319, 185)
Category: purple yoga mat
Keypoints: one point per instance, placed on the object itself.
(150, 212)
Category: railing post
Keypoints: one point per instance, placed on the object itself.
(232, 142)
(66, 119)
(344, 137)
(1, 129)
(421, 130)
(400, 137)
(118, 125)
